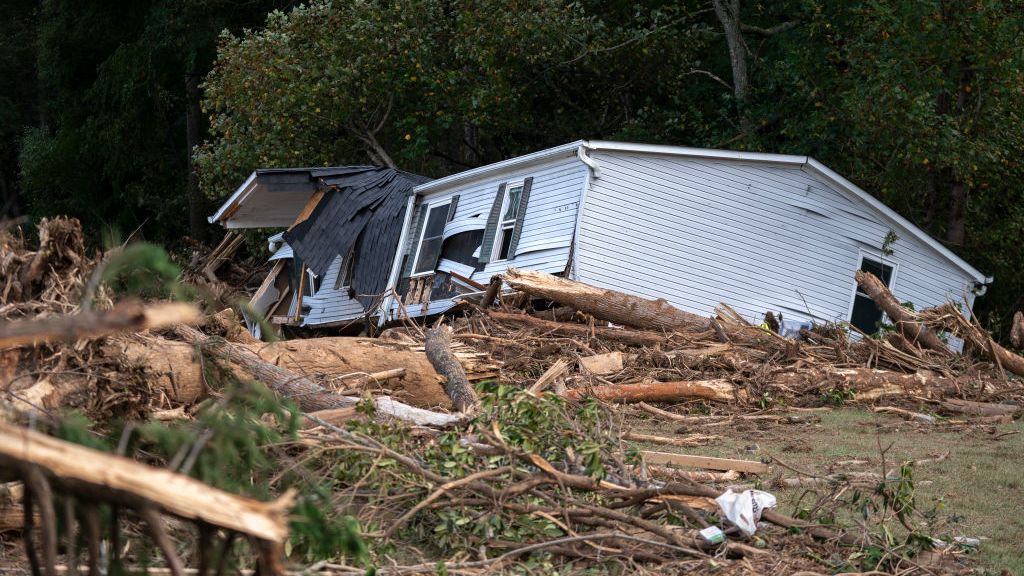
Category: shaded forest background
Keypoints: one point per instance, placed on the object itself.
(138, 116)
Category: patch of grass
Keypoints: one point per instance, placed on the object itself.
(978, 487)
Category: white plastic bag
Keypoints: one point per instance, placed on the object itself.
(744, 508)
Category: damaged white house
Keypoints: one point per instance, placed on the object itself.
(761, 232)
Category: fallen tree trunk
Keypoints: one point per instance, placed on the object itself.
(173, 366)
(957, 406)
(901, 317)
(652, 391)
(307, 394)
(610, 305)
(869, 384)
(633, 337)
(438, 347)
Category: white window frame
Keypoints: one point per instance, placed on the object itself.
(499, 232)
(877, 257)
(427, 209)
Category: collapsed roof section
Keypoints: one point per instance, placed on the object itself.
(331, 212)
(361, 212)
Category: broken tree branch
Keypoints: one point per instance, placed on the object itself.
(652, 391)
(128, 316)
(900, 316)
(438, 347)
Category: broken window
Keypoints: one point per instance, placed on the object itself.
(344, 279)
(507, 224)
(865, 315)
(429, 246)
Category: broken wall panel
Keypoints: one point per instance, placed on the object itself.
(547, 229)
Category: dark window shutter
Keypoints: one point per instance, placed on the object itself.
(524, 199)
(452, 207)
(492, 226)
(421, 219)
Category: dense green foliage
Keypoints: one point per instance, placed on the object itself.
(918, 102)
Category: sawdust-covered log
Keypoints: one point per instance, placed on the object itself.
(438, 347)
(610, 305)
(651, 391)
(900, 316)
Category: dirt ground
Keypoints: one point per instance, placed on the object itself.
(978, 488)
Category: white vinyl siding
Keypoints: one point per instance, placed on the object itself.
(331, 305)
(757, 236)
(548, 223)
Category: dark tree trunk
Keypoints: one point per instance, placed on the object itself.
(196, 206)
(728, 12)
(956, 227)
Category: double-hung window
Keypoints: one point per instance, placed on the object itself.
(507, 223)
(428, 248)
(865, 315)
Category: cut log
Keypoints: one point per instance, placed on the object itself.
(652, 391)
(95, 474)
(610, 305)
(708, 462)
(900, 316)
(438, 347)
(493, 287)
(633, 337)
(601, 364)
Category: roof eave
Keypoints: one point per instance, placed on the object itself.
(565, 150)
(233, 200)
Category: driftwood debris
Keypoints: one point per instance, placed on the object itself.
(900, 316)
(626, 336)
(610, 305)
(948, 317)
(438, 347)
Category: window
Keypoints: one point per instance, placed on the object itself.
(344, 279)
(865, 315)
(429, 246)
(507, 223)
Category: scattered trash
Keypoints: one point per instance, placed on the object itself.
(744, 508)
(713, 534)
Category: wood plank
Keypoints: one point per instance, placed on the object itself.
(708, 462)
(554, 371)
(600, 364)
